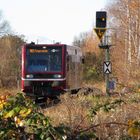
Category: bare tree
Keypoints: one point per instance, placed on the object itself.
(125, 18)
(10, 56)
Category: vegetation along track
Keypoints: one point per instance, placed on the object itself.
(51, 101)
(84, 91)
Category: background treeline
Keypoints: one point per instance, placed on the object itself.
(10, 55)
(124, 24)
(124, 17)
(124, 29)
(10, 60)
(93, 56)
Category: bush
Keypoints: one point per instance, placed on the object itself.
(93, 67)
(20, 119)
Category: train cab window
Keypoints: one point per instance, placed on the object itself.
(44, 61)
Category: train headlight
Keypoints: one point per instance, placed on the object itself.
(57, 76)
(29, 76)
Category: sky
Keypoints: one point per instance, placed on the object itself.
(46, 21)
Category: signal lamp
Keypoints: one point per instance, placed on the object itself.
(101, 19)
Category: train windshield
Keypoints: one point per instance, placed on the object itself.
(47, 59)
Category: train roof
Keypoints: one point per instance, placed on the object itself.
(58, 44)
(33, 44)
(71, 50)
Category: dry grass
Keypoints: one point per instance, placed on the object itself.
(73, 111)
(113, 125)
(99, 85)
(5, 91)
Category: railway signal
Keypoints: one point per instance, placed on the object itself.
(107, 67)
(100, 32)
(101, 19)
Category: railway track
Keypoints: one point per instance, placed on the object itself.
(50, 101)
(45, 102)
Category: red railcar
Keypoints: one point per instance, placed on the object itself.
(49, 69)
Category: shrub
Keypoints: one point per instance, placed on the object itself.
(20, 118)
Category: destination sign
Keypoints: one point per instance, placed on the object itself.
(38, 51)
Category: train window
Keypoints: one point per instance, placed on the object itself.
(83, 60)
(75, 52)
(44, 61)
(68, 62)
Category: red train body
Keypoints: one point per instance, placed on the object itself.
(49, 69)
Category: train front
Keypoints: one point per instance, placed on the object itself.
(43, 69)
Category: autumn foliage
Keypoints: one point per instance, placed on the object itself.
(20, 119)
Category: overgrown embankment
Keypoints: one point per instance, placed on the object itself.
(77, 117)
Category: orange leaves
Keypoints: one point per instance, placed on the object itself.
(3, 99)
(18, 121)
(134, 128)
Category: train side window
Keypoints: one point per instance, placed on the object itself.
(75, 52)
(68, 62)
(83, 60)
(68, 58)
